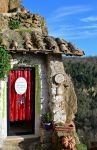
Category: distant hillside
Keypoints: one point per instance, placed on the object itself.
(84, 76)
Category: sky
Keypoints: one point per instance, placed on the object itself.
(73, 20)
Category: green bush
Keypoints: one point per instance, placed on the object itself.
(14, 24)
(5, 65)
(81, 147)
(47, 117)
(83, 72)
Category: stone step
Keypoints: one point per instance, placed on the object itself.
(22, 143)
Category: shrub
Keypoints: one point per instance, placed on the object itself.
(14, 24)
(81, 147)
(47, 117)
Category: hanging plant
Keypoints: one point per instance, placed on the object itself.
(5, 65)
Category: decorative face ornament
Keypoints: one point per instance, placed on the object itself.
(59, 78)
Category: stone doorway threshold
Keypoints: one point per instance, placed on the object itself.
(22, 142)
(21, 138)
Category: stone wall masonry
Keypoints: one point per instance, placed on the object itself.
(7, 5)
(63, 101)
(3, 6)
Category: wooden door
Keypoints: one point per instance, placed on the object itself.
(20, 105)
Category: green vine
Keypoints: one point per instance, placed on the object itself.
(37, 88)
(5, 65)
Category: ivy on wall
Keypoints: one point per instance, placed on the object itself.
(5, 65)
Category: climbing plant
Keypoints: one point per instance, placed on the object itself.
(5, 65)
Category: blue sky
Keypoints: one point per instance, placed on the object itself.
(73, 20)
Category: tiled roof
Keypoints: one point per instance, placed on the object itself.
(36, 42)
(31, 35)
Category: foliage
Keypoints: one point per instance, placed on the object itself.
(83, 72)
(14, 24)
(81, 147)
(84, 77)
(47, 117)
(5, 65)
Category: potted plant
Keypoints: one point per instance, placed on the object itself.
(47, 120)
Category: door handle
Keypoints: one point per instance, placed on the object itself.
(21, 100)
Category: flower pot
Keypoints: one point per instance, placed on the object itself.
(48, 125)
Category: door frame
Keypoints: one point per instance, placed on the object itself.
(8, 105)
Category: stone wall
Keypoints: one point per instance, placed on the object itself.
(14, 4)
(63, 101)
(3, 6)
(7, 5)
(57, 91)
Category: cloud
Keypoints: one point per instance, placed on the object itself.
(72, 32)
(66, 23)
(62, 12)
(83, 35)
(89, 27)
(70, 10)
(80, 27)
(89, 19)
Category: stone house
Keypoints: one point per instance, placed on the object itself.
(37, 80)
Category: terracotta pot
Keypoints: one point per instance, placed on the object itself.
(68, 142)
(48, 125)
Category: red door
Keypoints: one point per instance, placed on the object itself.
(20, 104)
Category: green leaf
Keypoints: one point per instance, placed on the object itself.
(5, 65)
